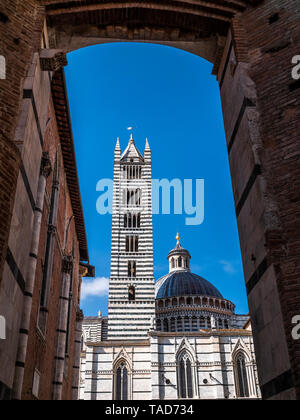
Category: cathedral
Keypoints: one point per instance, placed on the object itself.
(176, 338)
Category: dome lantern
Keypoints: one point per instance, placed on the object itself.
(179, 258)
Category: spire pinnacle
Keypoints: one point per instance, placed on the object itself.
(147, 147)
(118, 143)
(131, 137)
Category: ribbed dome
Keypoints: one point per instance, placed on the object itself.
(185, 283)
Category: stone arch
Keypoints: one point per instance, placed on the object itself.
(200, 29)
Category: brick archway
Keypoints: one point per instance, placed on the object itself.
(251, 44)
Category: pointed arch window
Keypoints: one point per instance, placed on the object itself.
(121, 382)
(185, 376)
(242, 385)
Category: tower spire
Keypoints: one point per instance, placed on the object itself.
(117, 150)
(147, 152)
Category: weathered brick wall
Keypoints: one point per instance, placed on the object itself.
(42, 348)
(272, 44)
(261, 115)
(20, 32)
(9, 170)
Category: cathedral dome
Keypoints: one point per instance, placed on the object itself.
(187, 302)
(181, 281)
(185, 283)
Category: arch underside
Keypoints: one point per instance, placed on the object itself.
(196, 26)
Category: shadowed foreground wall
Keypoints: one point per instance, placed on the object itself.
(252, 55)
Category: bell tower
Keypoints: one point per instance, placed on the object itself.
(131, 290)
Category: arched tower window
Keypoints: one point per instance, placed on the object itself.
(179, 262)
(121, 382)
(185, 376)
(131, 293)
(242, 386)
(172, 263)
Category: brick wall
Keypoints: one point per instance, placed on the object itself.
(261, 115)
(20, 32)
(42, 347)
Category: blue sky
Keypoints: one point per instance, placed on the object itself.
(169, 96)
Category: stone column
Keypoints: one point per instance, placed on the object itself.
(67, 265)
(30, 278)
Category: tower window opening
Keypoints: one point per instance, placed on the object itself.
(132, 171)
(133, 197)
(132, 244)
(131, 293)
(131, 269)
(132, 220)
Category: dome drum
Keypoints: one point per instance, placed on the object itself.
(194, 303)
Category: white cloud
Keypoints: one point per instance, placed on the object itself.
(228, 267)
(96, 287)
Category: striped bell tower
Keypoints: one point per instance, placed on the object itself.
(131, 291)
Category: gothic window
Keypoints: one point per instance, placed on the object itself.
(132, 243)
(131, 269)
(185, 376)
(121, 382)
(242, 386)
(132, 220)
(131, 293)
